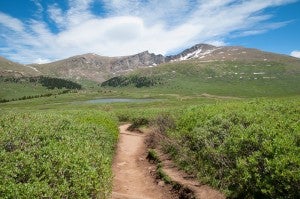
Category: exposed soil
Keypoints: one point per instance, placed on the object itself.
(132, 172)
(135, 177)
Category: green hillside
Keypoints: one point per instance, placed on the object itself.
(228, 78)
(20, 88)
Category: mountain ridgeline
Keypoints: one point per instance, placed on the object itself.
(13, 69)
(195, 69)
(100, 68)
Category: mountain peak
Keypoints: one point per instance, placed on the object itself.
(87, 56)
(196, 51)
(144, 52)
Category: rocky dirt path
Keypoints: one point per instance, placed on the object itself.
(132, 178)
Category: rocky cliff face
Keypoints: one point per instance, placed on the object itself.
(144, 59)
(99, 68)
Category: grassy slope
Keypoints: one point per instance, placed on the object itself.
(243, 79)
(9, 90)
(13, 89)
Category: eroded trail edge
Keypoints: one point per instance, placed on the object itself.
(132, 172)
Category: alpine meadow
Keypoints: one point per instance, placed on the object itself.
(202, 117)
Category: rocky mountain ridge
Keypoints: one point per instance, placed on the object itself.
(100, 68)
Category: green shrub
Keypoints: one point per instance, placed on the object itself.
(162, 175)
(248, 150)
(138, 122)
(56, 155)
(152, 156)
(163, 122)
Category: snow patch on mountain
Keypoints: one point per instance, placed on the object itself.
(33, 68)
(198, 51)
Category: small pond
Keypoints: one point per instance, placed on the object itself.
(119, 100)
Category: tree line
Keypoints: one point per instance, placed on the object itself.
(134, 80)
(48, 82)
(36, 96)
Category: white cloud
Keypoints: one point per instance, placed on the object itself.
(295, 53)
(10, 22)
(39, 6)
(132, 26)
(216, 43)
(41, 61)
(56, 15)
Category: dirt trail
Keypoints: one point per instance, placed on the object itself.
(132, 178)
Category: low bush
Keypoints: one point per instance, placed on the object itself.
(246, 149)
(152, 156)
(163, 122)
(138, 122)
(56, 155)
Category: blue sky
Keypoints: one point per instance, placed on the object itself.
(39, 31)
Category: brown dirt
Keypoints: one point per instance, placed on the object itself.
(132, 172)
